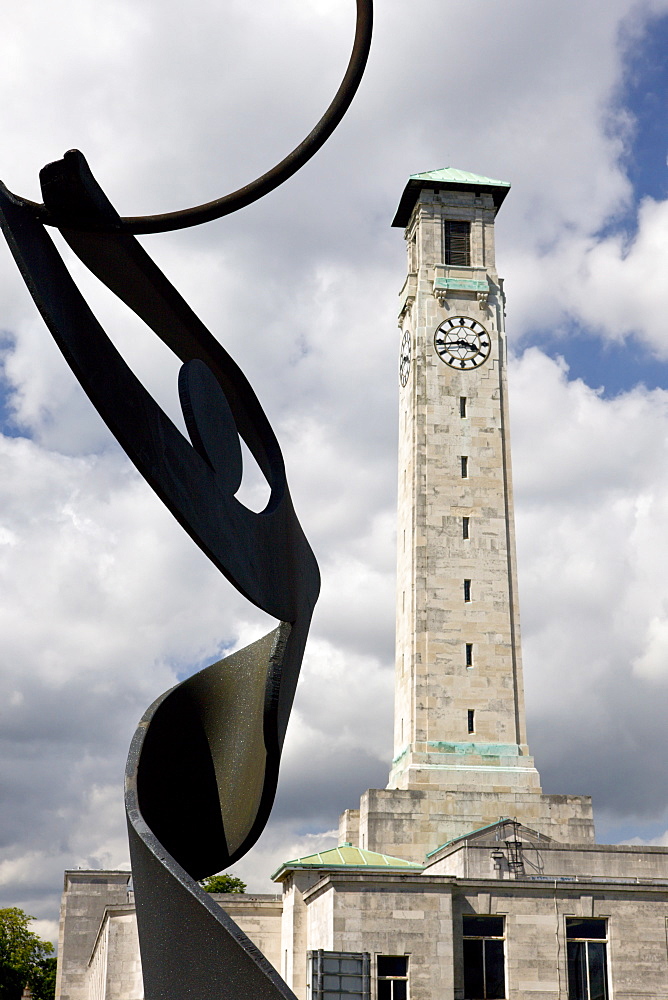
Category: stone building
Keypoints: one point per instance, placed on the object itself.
(461, 880)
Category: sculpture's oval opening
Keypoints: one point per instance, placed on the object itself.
(254, 491)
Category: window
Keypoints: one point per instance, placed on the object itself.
(471, 714)
(339, 974)
(465, 527)
(457, 249)
(484, 964)
(586, 950)
(467, 590)
(469, 654)
(465, 467)
(462, 406)
(392, 977)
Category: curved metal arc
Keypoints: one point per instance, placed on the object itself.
(183, 219)
(269, 567)
(266, 556)
(201, 765)
(122, 264)
(181, 781)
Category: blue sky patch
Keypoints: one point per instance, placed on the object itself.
(618, 367)
(8, 424)
(602, 364)
(645, 94)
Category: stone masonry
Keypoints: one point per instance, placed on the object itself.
(461, 758)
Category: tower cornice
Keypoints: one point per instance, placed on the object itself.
(447, 179)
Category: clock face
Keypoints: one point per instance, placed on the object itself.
(462, 343)
(405, 358)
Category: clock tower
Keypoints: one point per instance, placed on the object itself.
(461, 758)
(459, 706)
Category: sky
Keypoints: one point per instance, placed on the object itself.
(105, 600)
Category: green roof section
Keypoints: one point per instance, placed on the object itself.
(347, 856)
(502, 821)
(447, 179)
(450, 175)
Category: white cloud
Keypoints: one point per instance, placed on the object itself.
(611, 285)
(653, 662)
(278, 844)
(660, 841)
(620, 292)
(590, 486)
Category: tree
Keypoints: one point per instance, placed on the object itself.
(221, 883)
(42, 981)
(24, 958)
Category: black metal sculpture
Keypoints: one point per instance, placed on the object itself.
(203, 765)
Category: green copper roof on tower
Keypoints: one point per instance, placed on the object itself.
(447, 179)
(449, 175)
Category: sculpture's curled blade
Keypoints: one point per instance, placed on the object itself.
(203, 765)
(203, 768)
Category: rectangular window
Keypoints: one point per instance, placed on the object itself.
(465, 527)
(586, 950)
(484, 961)
(339, 975)
(462, 406)
(471, 714)
(465, 467)
(467, 590)
(469, 654)
(392, 977)
(457, 244)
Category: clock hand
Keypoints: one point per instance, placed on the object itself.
(459, 343)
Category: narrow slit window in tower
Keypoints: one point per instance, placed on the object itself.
(457, 240)
(412, 255)
(471, 714)
(465, 527)
(462, 406)
(465, 467)
(469, 654)
(467, 590)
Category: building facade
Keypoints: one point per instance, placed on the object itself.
(461, 880)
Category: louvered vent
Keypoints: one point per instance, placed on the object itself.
(458, 244)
